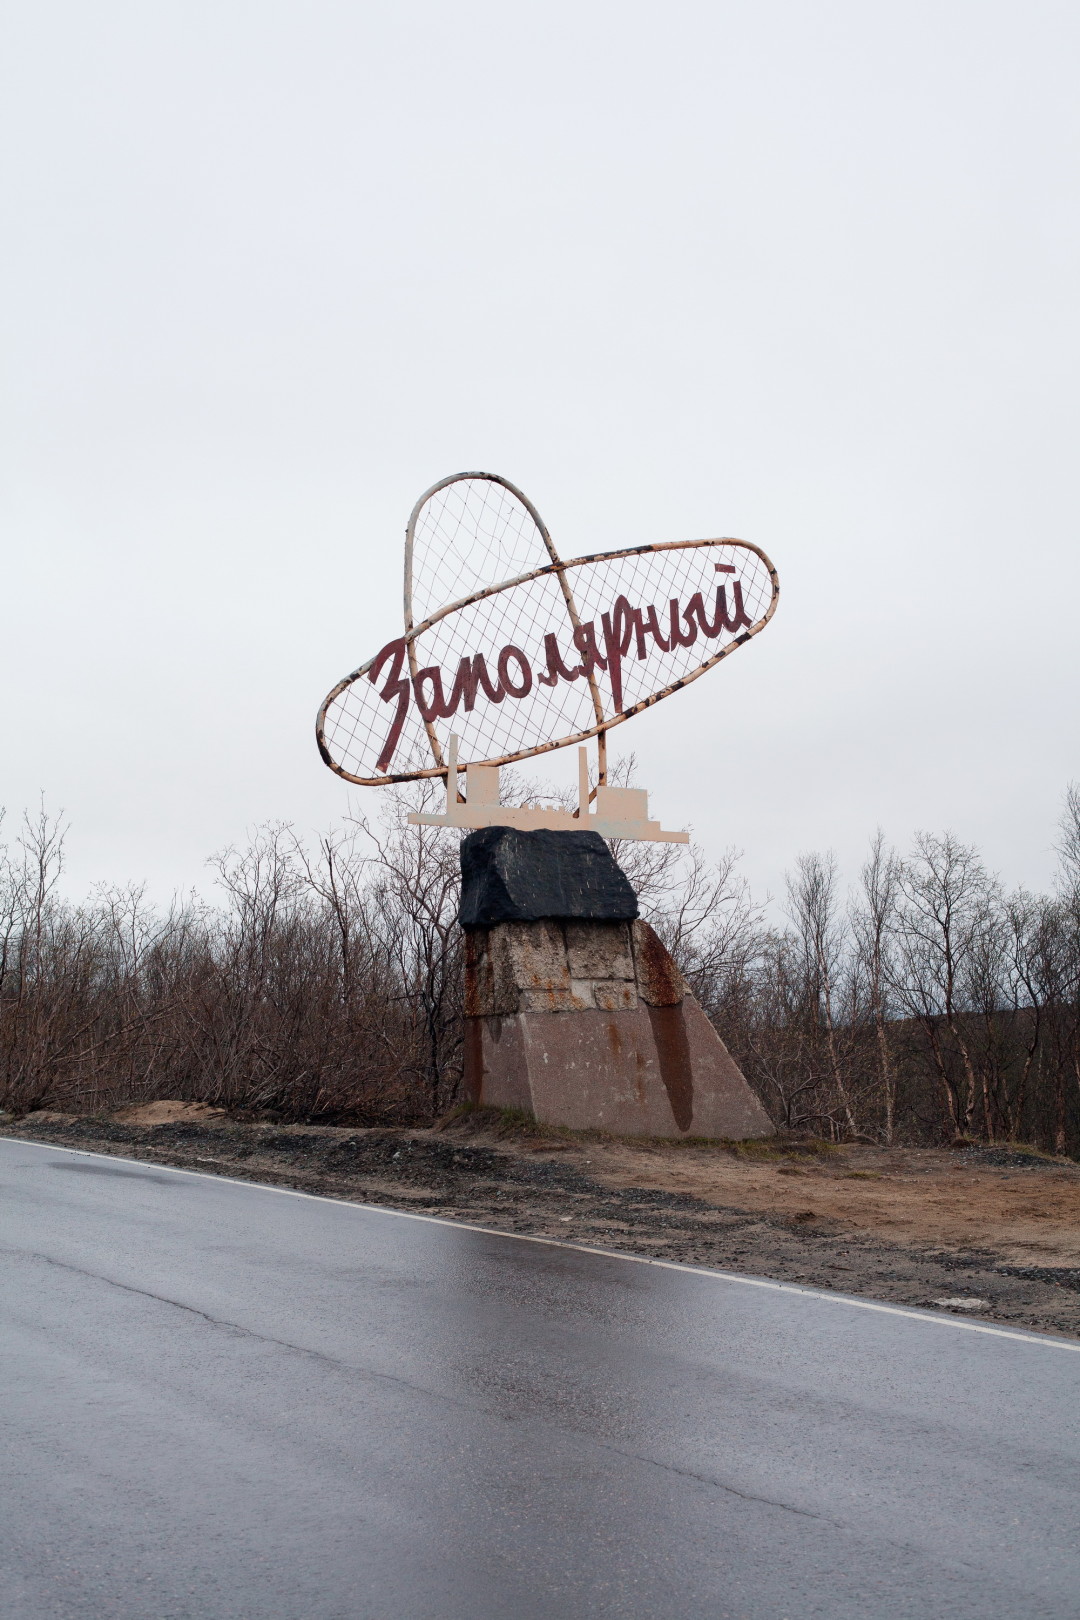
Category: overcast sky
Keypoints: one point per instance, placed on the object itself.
(803, 273)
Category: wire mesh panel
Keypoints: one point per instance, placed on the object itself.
(466, 533)
(665, 615)
(547, 660)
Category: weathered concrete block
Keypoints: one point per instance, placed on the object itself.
(649, 1072)
(599, 950)
(610, 995)
(575, 1012)
(535, 954)
(624, 1047)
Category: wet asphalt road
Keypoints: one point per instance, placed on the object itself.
(221, 1400)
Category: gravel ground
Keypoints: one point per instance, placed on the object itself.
(520, 1180)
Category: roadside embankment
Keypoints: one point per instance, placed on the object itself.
(993, 1232)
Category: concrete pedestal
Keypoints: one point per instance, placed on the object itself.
(590, 1024)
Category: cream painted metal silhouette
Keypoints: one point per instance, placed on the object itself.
(620, 812)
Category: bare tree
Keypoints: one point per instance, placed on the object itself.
(416, 893)
(873, 923)
(942, 890)
(326, 982)
(1031, 943)
(814, 908)
(1068, 847)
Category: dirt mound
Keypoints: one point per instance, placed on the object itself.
(169, 1111)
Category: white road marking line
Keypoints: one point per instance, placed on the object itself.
(581, 1248)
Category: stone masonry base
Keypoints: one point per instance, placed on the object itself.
(591, 1025)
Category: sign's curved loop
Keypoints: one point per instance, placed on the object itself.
(572, 647)
(468, 530)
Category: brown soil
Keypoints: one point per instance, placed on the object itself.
(993, 1231)
(167, 1112)
(1025, 1207)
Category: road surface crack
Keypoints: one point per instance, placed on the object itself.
(241, 1330)
(718, 1484)
(404, 1383)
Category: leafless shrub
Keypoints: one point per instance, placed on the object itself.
(326, 983)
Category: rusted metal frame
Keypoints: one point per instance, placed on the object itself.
(579, 562)
(562, 567)
(536, 573)
(410, 537)
(579, 736)
(561, 742)
(567, 594)
(594, 686)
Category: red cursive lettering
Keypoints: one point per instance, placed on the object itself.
(394, 688)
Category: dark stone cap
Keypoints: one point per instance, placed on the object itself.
(512, 876)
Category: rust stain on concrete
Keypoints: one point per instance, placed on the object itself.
(473, 1080)
(660, 983)
(673, 1051)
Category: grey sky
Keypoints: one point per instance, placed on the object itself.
(801, 273)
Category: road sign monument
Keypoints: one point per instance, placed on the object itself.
(574, 1010)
